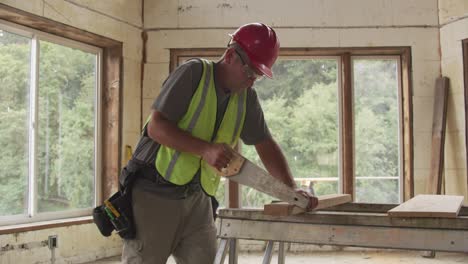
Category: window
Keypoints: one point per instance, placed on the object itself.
(342, 118)
(377, 146)
(48, 126)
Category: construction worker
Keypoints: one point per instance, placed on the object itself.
(203, 109)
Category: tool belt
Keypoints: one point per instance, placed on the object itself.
(116, 212)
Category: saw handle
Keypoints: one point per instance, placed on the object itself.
(233, 167)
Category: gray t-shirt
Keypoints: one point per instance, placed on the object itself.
(173, 102)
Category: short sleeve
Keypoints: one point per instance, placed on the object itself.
(178, 89)
(255, 128)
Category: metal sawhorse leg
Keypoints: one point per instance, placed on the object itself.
(224, 245)
(269, 253)
(231, 244)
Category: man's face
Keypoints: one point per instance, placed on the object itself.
(245, 74)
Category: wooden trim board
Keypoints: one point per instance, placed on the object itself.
(424, 205)
(285, 209)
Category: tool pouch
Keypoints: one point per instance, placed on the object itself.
(123, 223)
(102, 221)
(116, 213)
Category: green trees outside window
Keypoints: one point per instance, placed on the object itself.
(66, 160)
(15, 67)
(64, 133)
(376, 130)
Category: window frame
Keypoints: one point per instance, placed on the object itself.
(346, 107)
(109, 123)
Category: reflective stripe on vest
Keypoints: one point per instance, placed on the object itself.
(199, 120)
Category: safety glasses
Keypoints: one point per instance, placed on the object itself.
(251, 74)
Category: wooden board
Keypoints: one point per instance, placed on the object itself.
(465, 74)
(434, 183)
(325, 201)
(425, 205)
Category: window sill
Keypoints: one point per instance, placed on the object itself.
(10, 229)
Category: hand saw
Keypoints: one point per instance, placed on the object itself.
(243, 171)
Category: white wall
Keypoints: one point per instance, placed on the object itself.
(120, 20)
(306, 23)
(454, 28)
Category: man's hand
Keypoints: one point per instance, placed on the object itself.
(218, 155)
(313, 201)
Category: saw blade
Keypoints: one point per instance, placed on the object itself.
(253, 176)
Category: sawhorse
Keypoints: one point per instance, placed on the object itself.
(356, 225)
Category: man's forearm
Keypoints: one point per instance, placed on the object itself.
(275, 162)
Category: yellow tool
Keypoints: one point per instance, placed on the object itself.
(128, 154)
(112, 208)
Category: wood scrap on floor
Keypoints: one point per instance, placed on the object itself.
(324, 201)
(424, 205)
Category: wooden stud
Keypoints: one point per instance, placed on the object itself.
(407, 117)
(111, 115)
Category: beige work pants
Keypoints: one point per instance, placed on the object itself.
(183, 228)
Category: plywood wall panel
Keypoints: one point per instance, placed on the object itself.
(451, 10)
(129, 11)
(309, 13)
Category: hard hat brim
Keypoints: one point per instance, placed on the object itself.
(263, 69)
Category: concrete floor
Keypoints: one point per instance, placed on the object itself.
(342, 257)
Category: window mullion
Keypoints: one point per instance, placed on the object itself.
(340, 106)
(401, 140)
(348, 126)
(33, 117)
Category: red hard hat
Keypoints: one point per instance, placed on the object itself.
(260, 43)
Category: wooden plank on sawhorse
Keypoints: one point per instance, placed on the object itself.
(324, 201)
(424, 205)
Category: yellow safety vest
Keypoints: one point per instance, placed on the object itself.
(180, 167)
